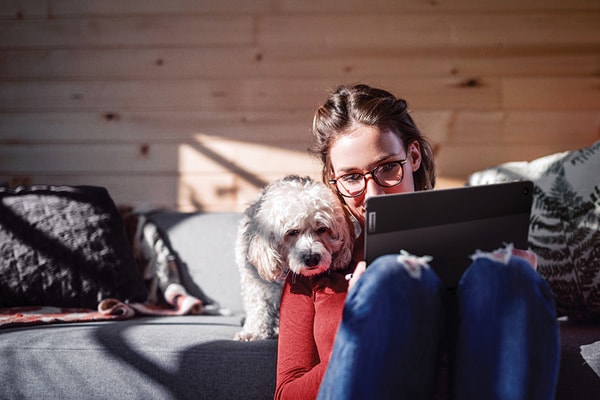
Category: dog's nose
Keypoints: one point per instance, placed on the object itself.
(310, 260)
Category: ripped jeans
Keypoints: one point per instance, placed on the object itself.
(495, 338)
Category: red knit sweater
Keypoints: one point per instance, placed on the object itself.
(311, 310)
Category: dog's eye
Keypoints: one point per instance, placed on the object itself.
(322, 230)
(293, 232)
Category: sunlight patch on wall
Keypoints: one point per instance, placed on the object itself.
(217, 174)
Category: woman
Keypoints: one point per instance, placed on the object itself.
(497, 338)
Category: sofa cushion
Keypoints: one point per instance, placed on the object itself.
(564, 224)
(579, 361)
(64, 246)
(181, 357)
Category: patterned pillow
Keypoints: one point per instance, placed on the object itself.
(65, 247)
(565, 222)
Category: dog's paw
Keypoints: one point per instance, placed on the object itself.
(245, 336)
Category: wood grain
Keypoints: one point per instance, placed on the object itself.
(198, 104)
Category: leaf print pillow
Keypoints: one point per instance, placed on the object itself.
(565, 224)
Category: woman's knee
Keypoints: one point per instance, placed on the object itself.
(396, 281)
(510, 277)
(491, 269)
(396, 288)
(401, 269)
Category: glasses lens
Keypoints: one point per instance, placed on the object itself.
(389, 174)
(386, 175)
(351, 185)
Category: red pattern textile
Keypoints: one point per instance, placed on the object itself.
(108, 309)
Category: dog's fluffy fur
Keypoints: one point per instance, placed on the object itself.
(296, 225)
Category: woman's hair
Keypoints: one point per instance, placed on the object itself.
(349, 106)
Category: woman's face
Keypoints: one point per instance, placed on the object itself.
(364, 148)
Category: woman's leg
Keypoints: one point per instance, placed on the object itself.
(388, 343)
(508, 341)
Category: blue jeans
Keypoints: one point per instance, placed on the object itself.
(498, 334)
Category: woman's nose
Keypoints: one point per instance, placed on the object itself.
(372, 188)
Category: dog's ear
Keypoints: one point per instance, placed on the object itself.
(264, 255)
(345, 235)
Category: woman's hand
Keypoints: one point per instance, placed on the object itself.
(360, 269)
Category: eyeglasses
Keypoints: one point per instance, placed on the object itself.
(388, 174)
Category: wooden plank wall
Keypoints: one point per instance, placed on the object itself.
(196, 104)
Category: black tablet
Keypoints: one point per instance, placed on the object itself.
(449, 224)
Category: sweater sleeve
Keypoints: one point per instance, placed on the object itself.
(302, 358)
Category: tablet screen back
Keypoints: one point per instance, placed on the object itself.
(449, 225)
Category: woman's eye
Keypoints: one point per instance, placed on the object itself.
(387, 167)
(351, 178)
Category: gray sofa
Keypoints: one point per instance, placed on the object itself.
(174, 357)
(193, 356)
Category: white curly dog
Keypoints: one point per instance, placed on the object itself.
(296, 225)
